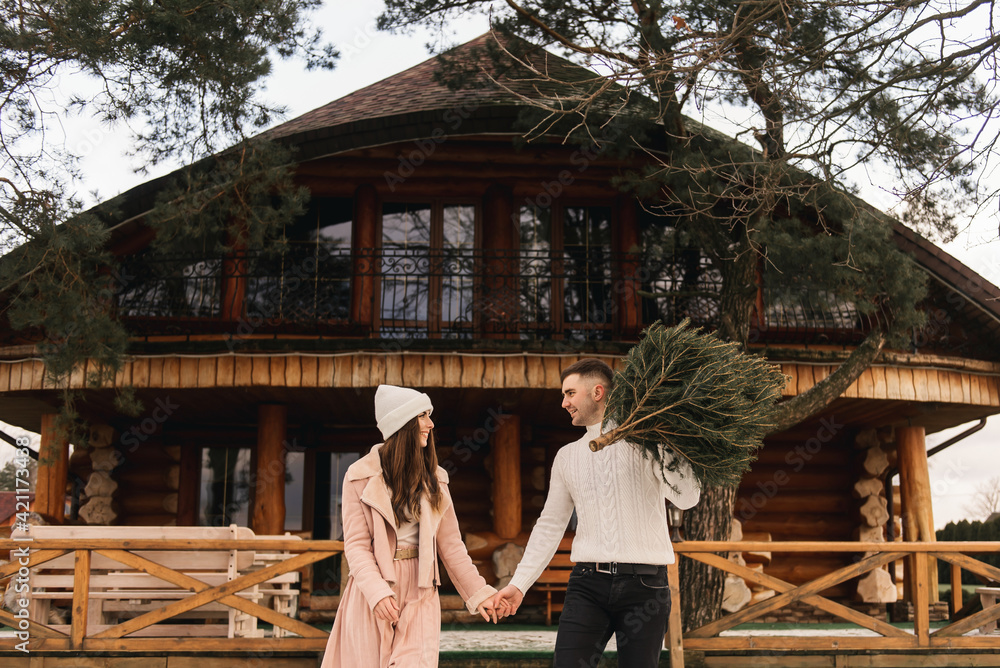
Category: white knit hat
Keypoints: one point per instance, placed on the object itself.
(395, 406)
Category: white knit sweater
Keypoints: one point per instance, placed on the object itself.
(618, 497)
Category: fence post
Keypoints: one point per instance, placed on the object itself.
(921, 598)
(81, 590)
(675, 642)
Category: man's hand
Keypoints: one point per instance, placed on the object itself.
(387, 610)
(507, 601)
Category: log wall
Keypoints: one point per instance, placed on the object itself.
(801, 491)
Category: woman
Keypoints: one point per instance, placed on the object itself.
(398, 519)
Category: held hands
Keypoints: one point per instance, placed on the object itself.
(488, 610)
(387, 610)
(503, 604)
(507, 601)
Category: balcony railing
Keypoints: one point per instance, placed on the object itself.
(461, 294)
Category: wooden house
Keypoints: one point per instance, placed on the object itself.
(441, 252)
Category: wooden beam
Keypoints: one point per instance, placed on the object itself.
(627, 242)
(500, 271)
(53, 463)
(364, 243)
(674, 640)
(915, 486)
(506, 447)
(234, 275)
(81, 586)
(269, 486)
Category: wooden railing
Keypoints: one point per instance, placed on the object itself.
(41, 636)
(871, 556)
(308, 638)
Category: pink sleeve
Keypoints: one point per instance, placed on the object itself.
(465, 576)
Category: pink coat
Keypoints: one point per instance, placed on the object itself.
(369, 546)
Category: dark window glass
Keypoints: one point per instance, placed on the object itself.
(535, 265)
(406, 239)
(311, 278)
(587, 265)
(677, 276)
(225, 487)
(457, 267)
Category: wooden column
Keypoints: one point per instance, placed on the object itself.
(498, 315)
(915, 488)
(628, 246)
(506, 448)
(234, 277)
(53, 464)
(269, 486)
(188, 489)
(364, 246)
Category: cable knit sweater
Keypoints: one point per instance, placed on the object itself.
(618, 497)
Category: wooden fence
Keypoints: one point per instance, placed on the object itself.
(887, 637)
(41, 636)
(301, 553)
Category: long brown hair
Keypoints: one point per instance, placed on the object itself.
(410, 470)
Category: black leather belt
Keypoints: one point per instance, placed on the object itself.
(614, 568)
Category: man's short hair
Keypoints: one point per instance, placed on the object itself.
(590, 368)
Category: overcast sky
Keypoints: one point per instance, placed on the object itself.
(369, 56)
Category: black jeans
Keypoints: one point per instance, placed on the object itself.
(633, 607)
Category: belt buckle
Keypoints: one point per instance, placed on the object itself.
(612, 568)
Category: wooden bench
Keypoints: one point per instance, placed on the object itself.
(118, 592)
(988, 596)
(555, 577)
(279, 592)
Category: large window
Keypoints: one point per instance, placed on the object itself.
(226, 479)
(566, 259)
(225, 487)
(677, 277)
(427, 266)
(588, 301)
(328, 517)
(309, 279)
(536, 268)
(151, 285)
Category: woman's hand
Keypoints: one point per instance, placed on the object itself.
(387, 610)
(487, 610)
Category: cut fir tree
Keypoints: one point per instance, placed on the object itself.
(706, 400)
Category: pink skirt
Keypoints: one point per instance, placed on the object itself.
(361, 640)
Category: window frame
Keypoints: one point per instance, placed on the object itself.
(434, 325)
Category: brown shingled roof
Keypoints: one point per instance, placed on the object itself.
(420, 89)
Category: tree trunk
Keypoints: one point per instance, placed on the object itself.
(702, 585)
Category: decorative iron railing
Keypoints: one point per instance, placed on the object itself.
(585, 295)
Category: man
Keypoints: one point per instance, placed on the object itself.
(622, 544)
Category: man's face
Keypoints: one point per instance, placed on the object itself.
(583, 400)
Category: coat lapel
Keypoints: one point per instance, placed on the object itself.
(376, 493)
(430, 521)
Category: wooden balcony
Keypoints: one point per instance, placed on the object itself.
(461, 295)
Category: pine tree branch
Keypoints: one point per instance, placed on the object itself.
(789, 413)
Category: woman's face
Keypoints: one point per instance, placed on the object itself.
(425, 424)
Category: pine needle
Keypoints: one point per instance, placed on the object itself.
(684, 394)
